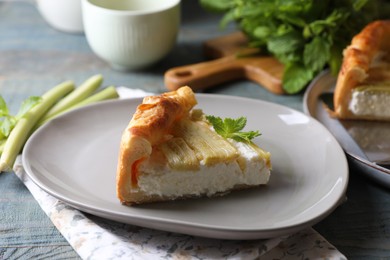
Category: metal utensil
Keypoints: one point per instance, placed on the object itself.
(342, 135)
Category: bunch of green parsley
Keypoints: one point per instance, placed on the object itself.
(305, 35)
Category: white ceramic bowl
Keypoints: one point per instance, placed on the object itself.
(63, 15)
(131, 34)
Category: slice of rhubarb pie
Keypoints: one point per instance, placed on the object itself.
(363, 84)
(171, 151)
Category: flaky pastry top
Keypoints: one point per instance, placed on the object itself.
(155, 116)
(152, 120)
(360, 59)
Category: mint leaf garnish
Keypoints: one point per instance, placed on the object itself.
(231, 128)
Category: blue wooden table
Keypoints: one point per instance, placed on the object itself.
(35, 57)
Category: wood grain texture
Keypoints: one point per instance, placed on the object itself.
(360, 228)
(25, 231)
(232, 60)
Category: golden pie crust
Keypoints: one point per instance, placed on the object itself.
(152, 121)
(365, 61)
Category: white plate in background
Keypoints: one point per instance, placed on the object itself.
(373, 137)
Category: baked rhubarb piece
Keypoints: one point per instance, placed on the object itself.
(363, 85)
(172, 151)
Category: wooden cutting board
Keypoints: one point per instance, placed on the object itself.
(231, 59)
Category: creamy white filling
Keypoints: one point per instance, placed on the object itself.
(209, 180)
(373, 104)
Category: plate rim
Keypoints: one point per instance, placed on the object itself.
(219, 232)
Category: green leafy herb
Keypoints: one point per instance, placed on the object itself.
(36, 111)
(9, 121)
(305, 35)
(231, 128)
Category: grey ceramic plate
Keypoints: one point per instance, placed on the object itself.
(372, 137)
(74, 159)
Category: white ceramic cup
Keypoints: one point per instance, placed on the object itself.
(63, 15)
(131, 34)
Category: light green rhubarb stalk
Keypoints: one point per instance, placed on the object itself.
(105, 94)
(79, 94)
(23, 127)
(2, 143)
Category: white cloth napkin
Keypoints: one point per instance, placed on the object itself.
(97, 238)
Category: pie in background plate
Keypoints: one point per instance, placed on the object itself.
(171, 151)
(363, 85)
